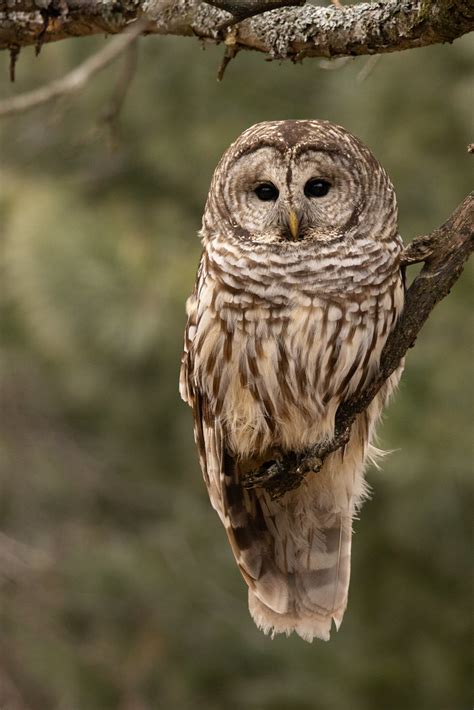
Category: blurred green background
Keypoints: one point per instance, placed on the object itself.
(117, 586)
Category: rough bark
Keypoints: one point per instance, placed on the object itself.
(286, 33)
(444, 253)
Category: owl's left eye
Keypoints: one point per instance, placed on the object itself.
(316, 187)
(266, 191)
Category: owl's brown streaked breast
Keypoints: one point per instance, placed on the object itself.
(275, 372)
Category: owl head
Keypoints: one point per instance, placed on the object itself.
(291, 183)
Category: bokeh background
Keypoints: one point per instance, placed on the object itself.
(117, 586)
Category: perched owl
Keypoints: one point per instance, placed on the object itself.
(298, 287)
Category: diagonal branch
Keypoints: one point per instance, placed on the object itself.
(75, 79)
(286, 33)
(111, 113)
(444, 253)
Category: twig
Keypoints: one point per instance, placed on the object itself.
(111, 114)
(14, 54)
(444, 253)
(75, 79)
(368, 68)
(231, 50)
(334, 64)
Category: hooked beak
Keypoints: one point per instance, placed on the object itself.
(293, 225)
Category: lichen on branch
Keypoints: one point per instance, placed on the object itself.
(284, 33)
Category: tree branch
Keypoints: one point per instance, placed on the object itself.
(75, 79)
(243, 9)
(285, 33)
(111, 113)
(444, 253)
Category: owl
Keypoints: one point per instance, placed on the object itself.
(298, 288)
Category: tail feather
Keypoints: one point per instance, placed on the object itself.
(293, 553)
(313, 588)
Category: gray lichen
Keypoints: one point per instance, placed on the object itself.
(285, 33)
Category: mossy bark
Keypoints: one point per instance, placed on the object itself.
(286, 33)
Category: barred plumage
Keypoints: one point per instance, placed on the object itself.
(295, 297)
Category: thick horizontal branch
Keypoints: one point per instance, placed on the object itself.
(444, 253)
(287, 33)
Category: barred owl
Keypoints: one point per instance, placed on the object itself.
(298, 287)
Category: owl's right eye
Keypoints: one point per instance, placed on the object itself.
(266, 192)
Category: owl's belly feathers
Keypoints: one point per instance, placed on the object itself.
(276, 380)
(298, 288)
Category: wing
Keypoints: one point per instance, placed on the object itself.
(293, 554)
(239, 511)
(208, 433)
(282, 596)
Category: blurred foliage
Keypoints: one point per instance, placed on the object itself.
(117, 586)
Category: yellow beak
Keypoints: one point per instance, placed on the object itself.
(293, 223)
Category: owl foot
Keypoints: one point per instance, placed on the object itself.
(282, 475)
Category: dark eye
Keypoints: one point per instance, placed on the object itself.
(266, 191)
(317, 187)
